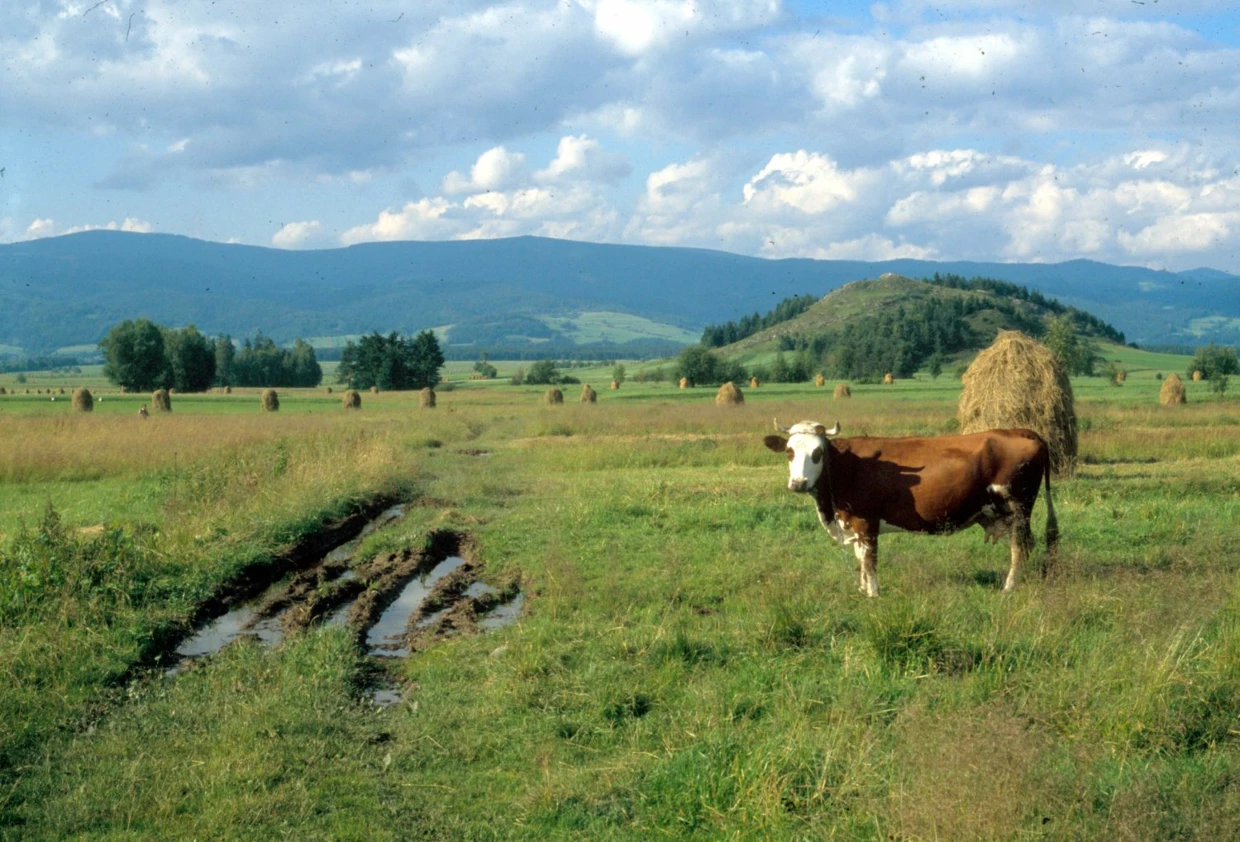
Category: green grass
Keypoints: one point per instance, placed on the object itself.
(694, 658)
(605, 326)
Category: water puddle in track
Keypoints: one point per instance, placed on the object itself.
(386, 636)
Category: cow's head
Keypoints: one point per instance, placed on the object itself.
(806, 446)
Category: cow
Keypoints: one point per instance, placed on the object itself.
(864, 486)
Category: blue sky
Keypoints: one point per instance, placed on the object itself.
(988, 130)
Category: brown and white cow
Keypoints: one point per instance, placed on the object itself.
(863, 486)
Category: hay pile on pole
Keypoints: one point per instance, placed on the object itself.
(888, 379)
(374, 390)
(753, 383)
(615, 384)
(588, 395)
(228, 390)
(684, 382)
(729, 395)
(426, 398)
(160, 401)
(351, 399)
(1120, 376)
(83, 400)
(329, 390)
(1172, 392)
(271, 400)
(553, 397)
(1197, 375)
(1018, 382)
(820, 381)
(842, 391)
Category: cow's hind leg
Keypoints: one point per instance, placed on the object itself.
(1022, 542)
(867, 558)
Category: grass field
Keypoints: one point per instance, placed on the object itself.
(692, 657)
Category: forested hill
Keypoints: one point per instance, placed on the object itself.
(69, 290)
(896, 324)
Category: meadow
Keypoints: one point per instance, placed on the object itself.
(692, 656)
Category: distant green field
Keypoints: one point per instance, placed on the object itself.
(616, 327)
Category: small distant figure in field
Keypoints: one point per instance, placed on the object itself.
(142, 413)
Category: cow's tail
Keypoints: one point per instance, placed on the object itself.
(1052, 524)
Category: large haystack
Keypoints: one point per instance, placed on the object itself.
(1018, 382)
(160, 402)
(553, 397)
(820, 381)
(271, 400)
(588, 395)
(842, 391)
(351, 399)
(426, 398)
(1172, 392)
(888, 379)
(729, 395)
(83, 400)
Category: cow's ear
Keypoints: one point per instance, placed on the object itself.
(776, 443)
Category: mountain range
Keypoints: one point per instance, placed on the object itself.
(69, 290)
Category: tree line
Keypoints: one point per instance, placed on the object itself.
(716, 336)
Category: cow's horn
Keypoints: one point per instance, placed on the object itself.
(834, 431)
(783, 430)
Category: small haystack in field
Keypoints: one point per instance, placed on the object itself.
(160, 401)
(329, 390)
(271, 400)
(1172, 392)
(888, 379)
(374, 390)
(553, 397)
(61, 391)
(83, 400)
(842, 391)
(1197, 375)
(684, 382)
(588, 395)
(228, 390)
(351, 399)
(2, 391)
(615, 384)
(820, 381)
(1120, 376)
(754, 383)
(1018, 382)
(426, 398)
(729, 395)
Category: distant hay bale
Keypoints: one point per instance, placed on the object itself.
(1172, 392)
(374, 390)
(329, 390)
(2, 391)
(228, 390)
(753, 383)
(842, 391)
(588, 395)
(426, 398)
(615, 384)
(1121, 376)
(83, 400)
(820, 381)
(1197, 375)
(271, 400)
(160, 401)
(351, 399)
(1018, 382)
(61, 391)
(888, 379)
(684, 382)
(553, 397)
(729, 395)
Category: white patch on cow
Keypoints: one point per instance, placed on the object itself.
(1001, 490)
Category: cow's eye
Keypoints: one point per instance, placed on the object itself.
(816, 455)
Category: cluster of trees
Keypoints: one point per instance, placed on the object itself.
(1006, 289)
(391, 362)
(1077, 354)
(703, 367)
(140, 355)
(716, 336)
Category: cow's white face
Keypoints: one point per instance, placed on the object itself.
(806, 447)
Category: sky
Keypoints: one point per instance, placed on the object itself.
(1040, 131)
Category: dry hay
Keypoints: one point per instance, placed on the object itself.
(1197, 375)
(374, 390)
(228, 390)
(888, 379)
(1172, 392)
(615, 384)
(729, 395)
(753, 383)
(553, 397)
(1018, 382)
(160, 402)
(61, 391)
(351, 399)
(820, 381)
(329, 390)
(842, 391)
(588, 395)
(83, 400)
(271, 400)
(684, 382)
(426, 398)
(1120, 376)
(2, 391)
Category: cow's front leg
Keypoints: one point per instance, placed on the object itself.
(866, 550)
(1022, 543)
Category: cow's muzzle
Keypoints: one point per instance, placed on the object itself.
(798, 484)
